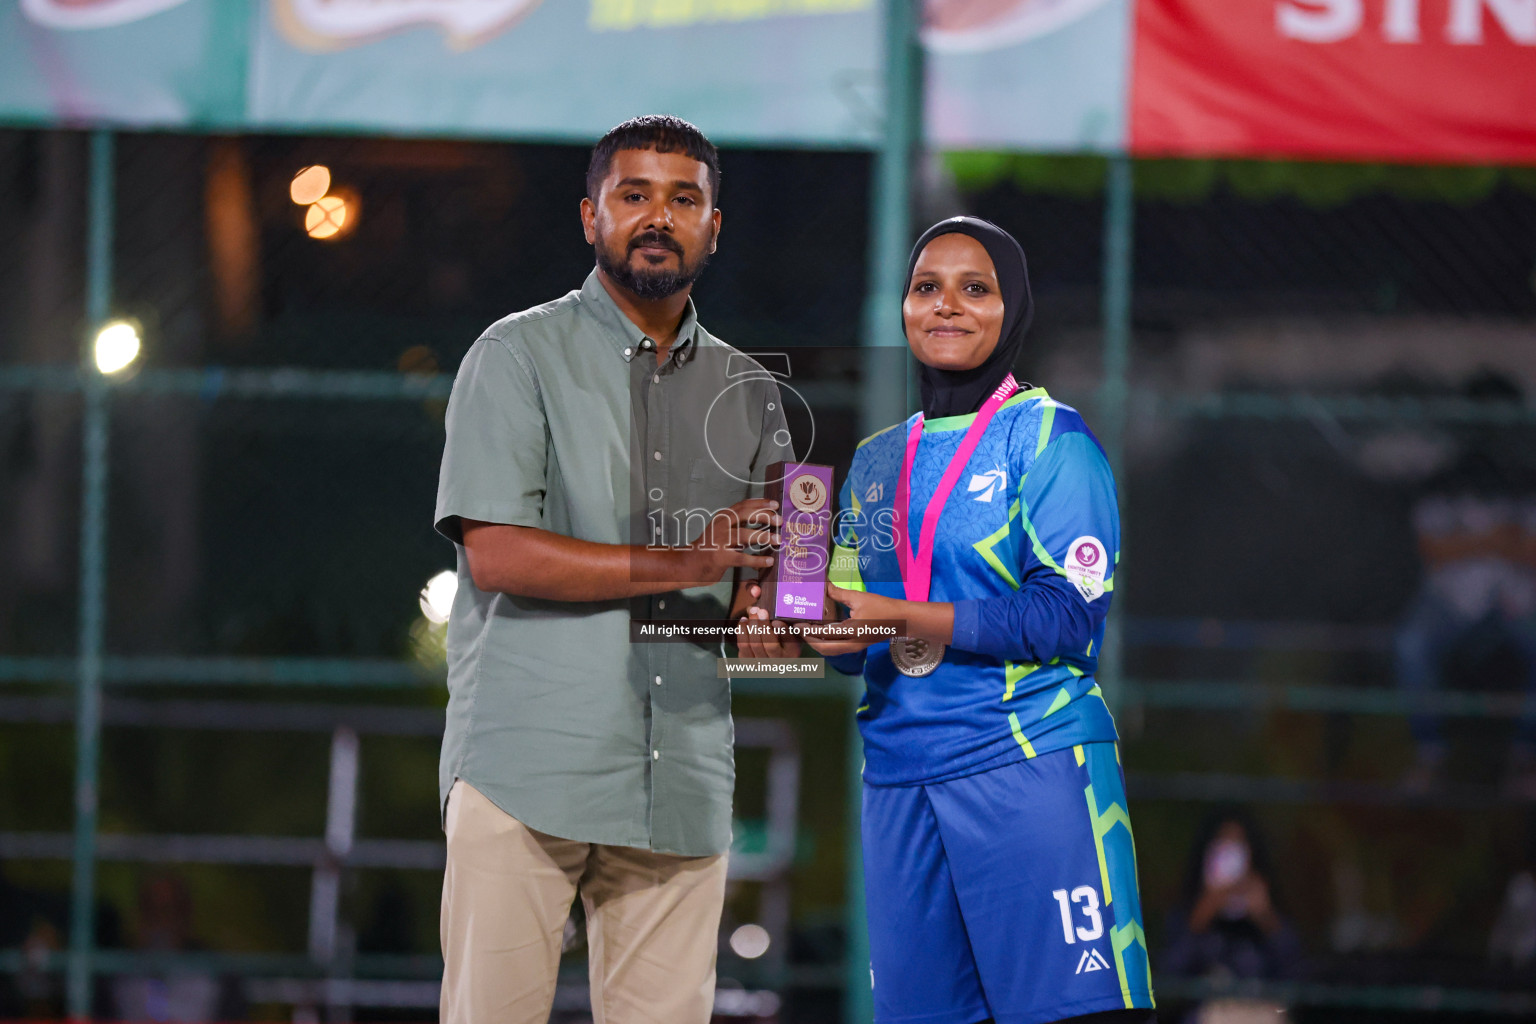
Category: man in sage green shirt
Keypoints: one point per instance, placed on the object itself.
(604, 457)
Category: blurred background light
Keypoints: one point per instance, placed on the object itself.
(326, 217)
(750, 941)
(117, 346)
(310, 185)
(437, 596)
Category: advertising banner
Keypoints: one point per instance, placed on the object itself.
(1415, 80)
(140, 63)
(761, 71)
(1027, 74)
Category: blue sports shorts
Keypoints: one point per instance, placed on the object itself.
(1008, 894)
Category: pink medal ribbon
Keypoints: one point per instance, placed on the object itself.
(917, 568)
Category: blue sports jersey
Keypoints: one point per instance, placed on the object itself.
(1026, 549)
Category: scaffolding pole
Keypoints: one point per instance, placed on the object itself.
(93, 556)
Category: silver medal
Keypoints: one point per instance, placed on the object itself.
(915, 657)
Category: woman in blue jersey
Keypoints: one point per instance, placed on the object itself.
(999, 871)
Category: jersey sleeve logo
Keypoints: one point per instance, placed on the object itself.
(1086, 566)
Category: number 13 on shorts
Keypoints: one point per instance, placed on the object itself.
(1086, 900)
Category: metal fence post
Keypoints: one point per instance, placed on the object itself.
(858, 997)
(884, 398)
(93, 527)
(1114, 391)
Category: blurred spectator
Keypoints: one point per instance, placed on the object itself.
(1476, 529)
(1355, 927)
(37, 924)
(1227, 925)
(28, 922)
(165, 926)
(1513, 941)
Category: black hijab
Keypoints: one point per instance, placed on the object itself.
(958, 392)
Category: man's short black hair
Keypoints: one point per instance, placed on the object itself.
(664, 134)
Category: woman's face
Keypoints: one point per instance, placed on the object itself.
(953, 311)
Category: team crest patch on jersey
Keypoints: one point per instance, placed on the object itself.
(1086, 566)
(1092, 960)
(988, 484)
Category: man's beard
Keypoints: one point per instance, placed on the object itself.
(649, 283)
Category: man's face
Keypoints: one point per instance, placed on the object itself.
(653, 223)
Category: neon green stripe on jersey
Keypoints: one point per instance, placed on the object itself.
(986, 544)
(1063, 698)
(1013, 671)
(1018, 734)
(1034, 542)
(1046, 422)
(876, 434)
(965, 419)
(1113, 815)
(844, 571)
(1122, 938)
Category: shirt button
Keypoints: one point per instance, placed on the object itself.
(646, 344)
(655, 378)
(656, 456)
(628, 352)
(655, 755)
(658, 680)
(661, 604)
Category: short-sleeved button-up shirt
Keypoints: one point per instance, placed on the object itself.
(561, 419)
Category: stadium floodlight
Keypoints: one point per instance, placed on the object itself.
(750, 941)
(117, 346)
(437, 596)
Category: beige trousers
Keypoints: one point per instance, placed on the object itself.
(653, 923)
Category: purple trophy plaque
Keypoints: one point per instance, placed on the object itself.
(795, 587)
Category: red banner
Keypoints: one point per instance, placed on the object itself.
(1416, 80)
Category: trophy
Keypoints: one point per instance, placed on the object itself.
(795, 586)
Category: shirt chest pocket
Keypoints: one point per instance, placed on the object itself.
(711, 488)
